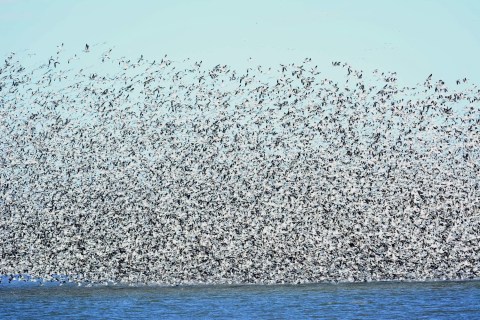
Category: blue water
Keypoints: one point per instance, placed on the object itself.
(434, 300)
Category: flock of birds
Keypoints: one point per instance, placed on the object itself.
(173, 172)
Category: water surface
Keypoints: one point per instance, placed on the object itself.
(334, 301)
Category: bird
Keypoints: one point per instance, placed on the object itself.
(179, 172)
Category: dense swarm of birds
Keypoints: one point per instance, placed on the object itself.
(172, 172)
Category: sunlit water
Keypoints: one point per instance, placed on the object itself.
(452, 300)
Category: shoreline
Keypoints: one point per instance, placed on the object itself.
(19, 284)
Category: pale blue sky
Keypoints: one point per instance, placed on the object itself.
(413, 37)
